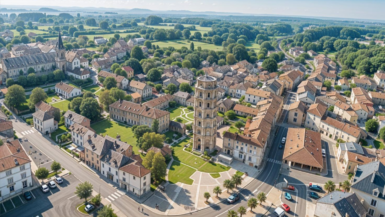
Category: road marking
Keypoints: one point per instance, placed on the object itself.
(21, 199)
(117, 194)
(108, 200)
(12, 203)
(4, 207)
(122, 193)
(111, 198)
(71, 197)
(197, 197)
(114, 196)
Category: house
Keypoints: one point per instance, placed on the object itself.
(339, 204)
(296, 51)
(129, 71)
(349, 146)
(368, 184)
(303, 148)
(15, 173)
(378, 98)
(220, 93)
(363, 111)
(312, 53)
(79, 73)
(181, 98)
(344, 83)
(140, 77)
(111, 56)
(306, 92)
(335, 129)
(122, 82)
(350, 160)
(135, 114)
(101, 63)
(143, 89)
(289, 65)
(161, 102)
(136, 98)
(274, 86)
(178, 127)
(365, 82)
(42, 106)
(245, 111)
(315, 113)
(359, 95)
(184, 73)
(165, 150)
(225, 105)
(100, 40)
(71, 118)
(291, 79)
(80, 133)
(345, 112)
(335, 96)
(67, 91)
(379, 78)
(190, 101)
(121, 44)
(170, 81)
(253, 96)
(135, 178)
(6, 129)
(297, 113)
(44, 122)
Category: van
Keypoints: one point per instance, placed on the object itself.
(279, 212)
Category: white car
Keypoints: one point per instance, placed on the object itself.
(59, 180)
(323, 153)
(52, 184)
(44, 188)
(283, 140)
(89, 207)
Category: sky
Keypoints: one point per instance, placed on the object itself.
(357, 9)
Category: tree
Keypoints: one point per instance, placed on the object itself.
(206, 195)
(76, 102)
(151, 139)
(41, 173)
(58, 75)
(114, 67)
(90, 108)
(55, 166)
(237, 180)
(270, 65)
(148, 44)
(36, 96)
(84, 190)
(186, 33)
(103, 25)
(154, 75)
(347, 93)
(252, 203)
(228, 184)
(337, 87)
(134, 64)
(230, 114)
(192, 46)
(239, 125)
(197, 35)
(158, 87)
(106, 211)
(9, 82)
(331, 108)
(139, 131)
(117, 93)
(109, 83)
(30, 70)
(153, 20)
(328, 85)
(155, 126)
(330, 186)
(346, 186)
(347, 73)
(186, 64)
(24, 39)
(137, 53)
(232, 213)
(371, 125)
(15, 96)
(159, 167)
(240, 52)
(185, 87)
(261, 197)
(147, 161)
(382, 134)
(171, 89)
(242, 211)
(217, 190)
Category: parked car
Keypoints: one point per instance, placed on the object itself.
(286, 207)
(59, 180)
(315, 187)
(234, 197)
(28, 195)
(323, 153)
(283, 140)
(314, 195)
(44, 188)
(288, 196)
(290, 187)
(52, 184)
(89, 207)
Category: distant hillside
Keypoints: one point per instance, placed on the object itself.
(48, 10)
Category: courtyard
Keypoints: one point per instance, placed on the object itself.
(186, 116)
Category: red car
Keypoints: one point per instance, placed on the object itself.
(286, 207)
(290, 187)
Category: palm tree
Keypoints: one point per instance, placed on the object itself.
(232, 213)
(237, 180)
(330, 186)
(346, 186)
(228, 184)
(252, 203)
(340, 185)
(242, 211)
(206, 195)
(217, 190)
(261, 197)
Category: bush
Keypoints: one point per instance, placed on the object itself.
(168, 140)
(190, 108)
(96, 200)
(363, 142)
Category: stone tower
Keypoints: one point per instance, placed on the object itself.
(60, 57)
(205, 113)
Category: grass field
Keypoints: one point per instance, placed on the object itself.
(92, 88)
(63, 105)
(85, 27)
(60, 130)
(378, 144)
(52, 96)
(180, 173)
(177, 44)
(111, 128)
(175, 112)
(39, 32)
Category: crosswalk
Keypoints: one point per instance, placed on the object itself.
(27, 132)
(274, 161)
(114, 196)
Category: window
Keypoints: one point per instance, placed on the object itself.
(25, 184)
(295, 114)
(23, 175)
(249, 158)
(144, 184)
(371, 212)
(373, 203)
(103, 165)
(133, 178)
(144, 178)
(116, 172)
(22, 167)
(8, 173)
(124, 179)
(295, 120)
(109, 169)
(12, 188)
(10, 180)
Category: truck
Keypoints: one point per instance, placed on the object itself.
(279, 212)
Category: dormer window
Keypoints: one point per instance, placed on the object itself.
(375, 192)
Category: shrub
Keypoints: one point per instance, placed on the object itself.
(363, 142)
(190, 108)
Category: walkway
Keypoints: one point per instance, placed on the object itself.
(185, 115)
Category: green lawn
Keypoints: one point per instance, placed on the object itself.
(39, 32)
(233, 129)
(378, 144)
(180, 173)
(99, 92)
(52, 96)
(175, 112)
(112, 129)
(215, 175)
(61, 129)
(63, 105)
(92, 88)
(213, 168)
(177, 44)
(191, 115)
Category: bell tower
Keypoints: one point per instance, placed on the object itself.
(205, 113)
(60, 57)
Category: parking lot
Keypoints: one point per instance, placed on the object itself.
(39, 158)
(59, 201)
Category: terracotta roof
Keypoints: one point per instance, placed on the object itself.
(138, 109)
(305, 86)
(44, 106)
(377, 95)
(135, 170)
(73, 116)
(137, 84)
(298, 105)
(360, 106)
(12, 155)
(5, 125)
(243, 138)
(160, 100)
(245, 109)
(260, 93)
(293, 74)
(345, 127)
(165, 150)
(304, 147)
(336, 95)
(70, 56)
(136, 95)
(228, 103)
(342, 105)
(317, 109)
(64, 87)
(380, 75)
(357, 158)
(79, 129)
(344, 81)
(105, 74)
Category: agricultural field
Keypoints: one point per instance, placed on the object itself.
(39, 32)
(177, 44)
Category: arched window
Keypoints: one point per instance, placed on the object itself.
(208, 95)
(207, 115)
(200, 94)
(207, 133)
(208, 105)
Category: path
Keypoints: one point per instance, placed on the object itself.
(184, 115)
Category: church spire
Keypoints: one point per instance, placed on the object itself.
(59, 44)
